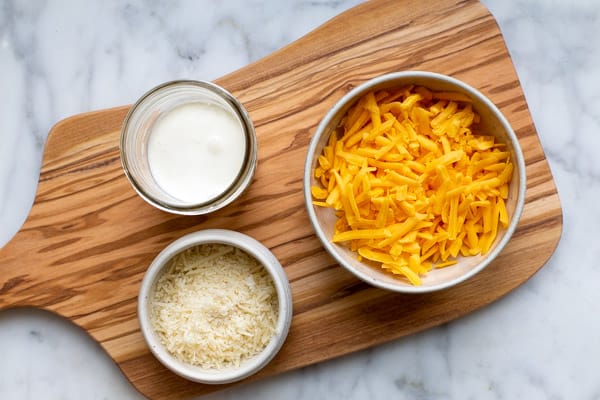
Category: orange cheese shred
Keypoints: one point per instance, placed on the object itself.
(413, 182)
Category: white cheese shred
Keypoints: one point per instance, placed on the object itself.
(215, 306)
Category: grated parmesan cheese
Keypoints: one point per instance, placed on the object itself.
(215, 306)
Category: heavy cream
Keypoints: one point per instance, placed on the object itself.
(196, 151)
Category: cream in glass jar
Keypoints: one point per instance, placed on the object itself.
(195, 151)
(188, 147)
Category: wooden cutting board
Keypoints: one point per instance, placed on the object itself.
(85, 246)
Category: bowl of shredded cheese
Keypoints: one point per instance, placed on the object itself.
(414, 181)
(215, 306)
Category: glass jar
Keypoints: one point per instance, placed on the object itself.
(138, 128)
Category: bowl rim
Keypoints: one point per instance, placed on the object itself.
(262, 255)
(361, 89)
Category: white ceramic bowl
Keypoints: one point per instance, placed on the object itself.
(262, 255)
(493, 122)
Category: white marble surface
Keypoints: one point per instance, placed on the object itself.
(59, 58)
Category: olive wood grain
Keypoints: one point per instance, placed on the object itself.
(85, 246)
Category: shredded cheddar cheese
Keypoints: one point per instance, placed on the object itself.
(412, 183)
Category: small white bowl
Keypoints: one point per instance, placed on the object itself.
(263, 256)
(492, 121)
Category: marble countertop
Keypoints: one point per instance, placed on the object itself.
(60, 58)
